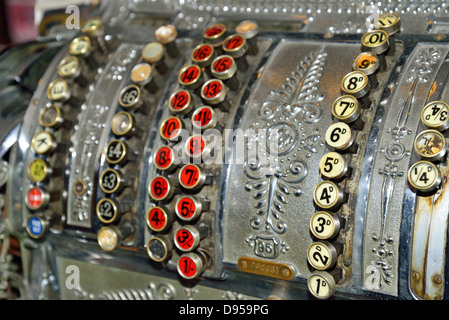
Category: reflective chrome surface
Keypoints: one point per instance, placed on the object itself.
(251, 238)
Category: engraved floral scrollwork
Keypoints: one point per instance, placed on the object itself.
(378, 273)
(425, 60)
(276, 173)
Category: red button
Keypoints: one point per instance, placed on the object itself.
(203, 118)
(171, 128)
(157, 219)
(202, 53)
(187, 267)
(195, 146)
(180, 99)
(234, 42)
(222, 64)
(186, 208)
(189, 176)
(189, 75)
(185, 240)
(212, 89)
(164, 159)
(214, 31)
(35, 198)
(160, 188)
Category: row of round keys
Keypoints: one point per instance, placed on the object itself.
(430, 145)
(190, 264)
(188, 208)
(196, 147)
(355, 86)
(186, 238)
(190, 177)
(213, 91)
(182, 103)
(202, 119)
(224, 67)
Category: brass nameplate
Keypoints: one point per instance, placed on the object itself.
(265, 268)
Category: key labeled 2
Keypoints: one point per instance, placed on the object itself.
(322, 255)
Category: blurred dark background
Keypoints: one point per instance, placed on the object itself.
(16, 22)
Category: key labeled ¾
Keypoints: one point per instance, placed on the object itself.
(435, 115)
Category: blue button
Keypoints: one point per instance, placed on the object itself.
(35, 227)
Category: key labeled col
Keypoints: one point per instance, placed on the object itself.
(113, 181)
(159, 218)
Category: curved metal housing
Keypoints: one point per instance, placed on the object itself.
(250, 208)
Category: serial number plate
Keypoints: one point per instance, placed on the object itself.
(266, 268)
